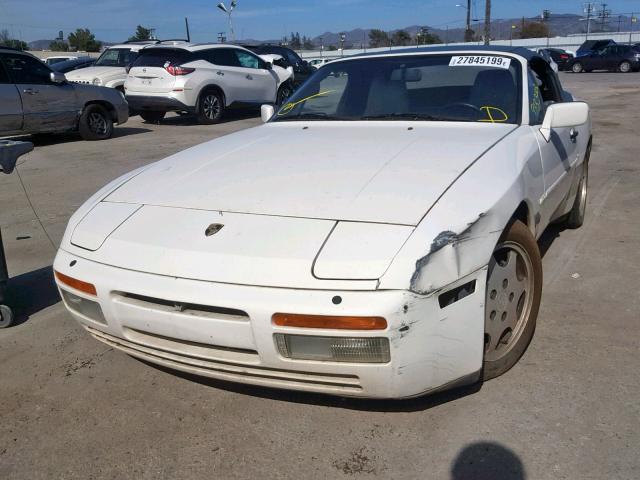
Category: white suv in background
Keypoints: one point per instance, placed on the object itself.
(110, 70)
(203, 79)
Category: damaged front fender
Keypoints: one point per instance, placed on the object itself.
(458, 235)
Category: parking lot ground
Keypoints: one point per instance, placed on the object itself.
(73, 408)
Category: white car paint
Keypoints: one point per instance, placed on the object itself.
(108, 76)
(58, 58)
(384, 215)
(147, 85)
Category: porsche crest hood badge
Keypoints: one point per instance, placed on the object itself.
(213, 229)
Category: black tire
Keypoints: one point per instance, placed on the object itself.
(284, 92)
(6, 316)
(152, 116)
(577, 67)
(505, 301)
(625, 67)
(575, 218)
(210, 107)
(95, 123)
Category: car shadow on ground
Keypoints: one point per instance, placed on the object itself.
(549, 236)
(31, 292)
(487, 461)
(43, 140)
(232, 115)
(417, 404)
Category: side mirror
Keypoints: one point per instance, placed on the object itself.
(266, 112)
(57, 77)
(268, 65)
(562, 115)
(10, 152)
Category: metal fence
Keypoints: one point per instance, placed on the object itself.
(571, 42)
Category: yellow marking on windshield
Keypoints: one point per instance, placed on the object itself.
(291, 105)
(489, 109)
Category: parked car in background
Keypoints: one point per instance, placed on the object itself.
(58, 58)
(75, 64)
(592, 46)
(544, 53)
(204, 79)
(110, 70)
(35, 99)
(375, 238)
(615, 58)
(319, 62)
(301, 68)
(559, 56)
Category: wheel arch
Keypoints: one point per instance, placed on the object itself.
(108, 106)
(212, 87)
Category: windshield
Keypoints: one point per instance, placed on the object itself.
(116, 57)
(464, 87)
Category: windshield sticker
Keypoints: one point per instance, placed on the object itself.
(291, 105)
(480, 61)
(494, 115)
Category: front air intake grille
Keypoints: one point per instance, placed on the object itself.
(224, 364)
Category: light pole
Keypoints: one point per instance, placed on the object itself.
(633, 20)
(467, 33)
(228, 12)
(343, 36)
(513, 27)
(487, 22)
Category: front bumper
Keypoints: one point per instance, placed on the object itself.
(122, 112)
(157, 103)
(431, 347)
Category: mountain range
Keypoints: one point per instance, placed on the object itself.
(559, 25)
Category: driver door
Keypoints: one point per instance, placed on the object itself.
(559, 155)
(10, 104)
(47, 106)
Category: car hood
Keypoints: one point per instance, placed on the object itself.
(380, 172)
(90, 73)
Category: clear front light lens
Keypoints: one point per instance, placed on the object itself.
(333, 349)
(84, 307)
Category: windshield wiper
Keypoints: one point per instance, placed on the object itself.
(405, 116)
(309, 116)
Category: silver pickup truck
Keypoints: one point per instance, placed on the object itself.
(34, 99)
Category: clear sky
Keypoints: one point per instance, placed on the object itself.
(115, 20)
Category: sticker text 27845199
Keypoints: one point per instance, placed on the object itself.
(480, 61)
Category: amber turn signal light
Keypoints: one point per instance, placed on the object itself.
(329, 322)
(79, 285)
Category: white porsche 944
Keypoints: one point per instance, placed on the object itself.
(376, 237)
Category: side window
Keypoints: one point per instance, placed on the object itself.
(536, 106)
(248, 60)
(27, 70)
(223, 57)
(4, 77)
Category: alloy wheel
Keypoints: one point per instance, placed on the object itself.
(98, 124)
(211, 106)
(509, 299)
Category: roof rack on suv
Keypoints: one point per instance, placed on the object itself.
(141, 42)
(169, 40)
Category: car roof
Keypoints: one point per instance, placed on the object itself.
(521, 51)
(193, 47)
